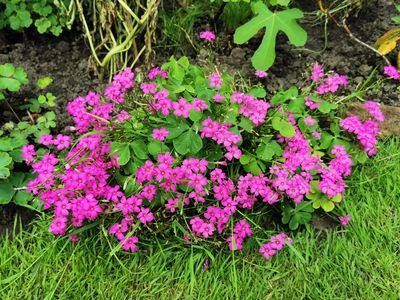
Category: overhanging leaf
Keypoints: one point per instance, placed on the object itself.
(387, 42)
(273, 22)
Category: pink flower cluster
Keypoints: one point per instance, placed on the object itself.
(219, 133)
(276, 244)
(374, 110)
(366, 132)
(255, 110)
(157, 72)
(330, 82)
(121, 83)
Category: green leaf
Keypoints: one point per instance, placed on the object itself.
(42, 25)
(325, 107)
(44, 82)
(7, 70)
(5, 159)
(122, 149)
(156, 147)
(22, 197)
(255, 167)
(21, 75)
(327, 205)
(246, 124)
(195, 115)
(174, 132)
(5, 145)
(140, 149)
(297, 106)
(265, 152)
(16, 179)
(188, 142)
(11, 84)
(245, 159)
(299, 218)
(284, 127)
(4, 172)
(273, 22)
(280, 2)
(396, 19)
(258, 92)
(6, 192)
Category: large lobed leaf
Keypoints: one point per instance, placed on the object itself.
(273, 22)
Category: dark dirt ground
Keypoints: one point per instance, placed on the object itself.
(65, 60)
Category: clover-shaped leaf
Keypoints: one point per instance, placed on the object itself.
(273, 22)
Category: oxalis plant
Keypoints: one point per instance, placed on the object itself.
(191, 155)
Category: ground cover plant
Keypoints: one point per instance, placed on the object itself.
(194, 156)
(358, 261)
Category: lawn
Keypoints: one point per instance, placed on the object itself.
(360, 261)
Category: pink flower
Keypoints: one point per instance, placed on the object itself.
(316, 134)
(28, 152)
(46, 139)
(310, 121)
(182, 108)
(145, 215)
(160, 134)
(311, 104)
(317, 73)
(62, 141)
(122, 116)
(130, 244)
(218, 98)
(374, 110)
(215, 80)
(207, 35)
(345, 220)
(261, 74)
(391, 72)
(199, 105)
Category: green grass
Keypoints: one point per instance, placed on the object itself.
(361, 261)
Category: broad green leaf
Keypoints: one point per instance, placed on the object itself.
(284, 127)
(4, 172)
(5, 159)
(273, 22)
(7, 70)
(174, 132)
(5, 145)
(156, 147)
(325, 107)
(327, 205)
(188, 142)
(11, 84)
(245, 159)
(280, 2)
(255, 167)
(258, 92)
(22, 197)
(140, 149)
(265, 152)
(6, 192)
(195, 115)
(21, 75)
(246, 124)
(122, 149)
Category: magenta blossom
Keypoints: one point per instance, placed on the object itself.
(345, 220)
(207, 35)
(160, 134)
(392, 72)
(261, 74)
